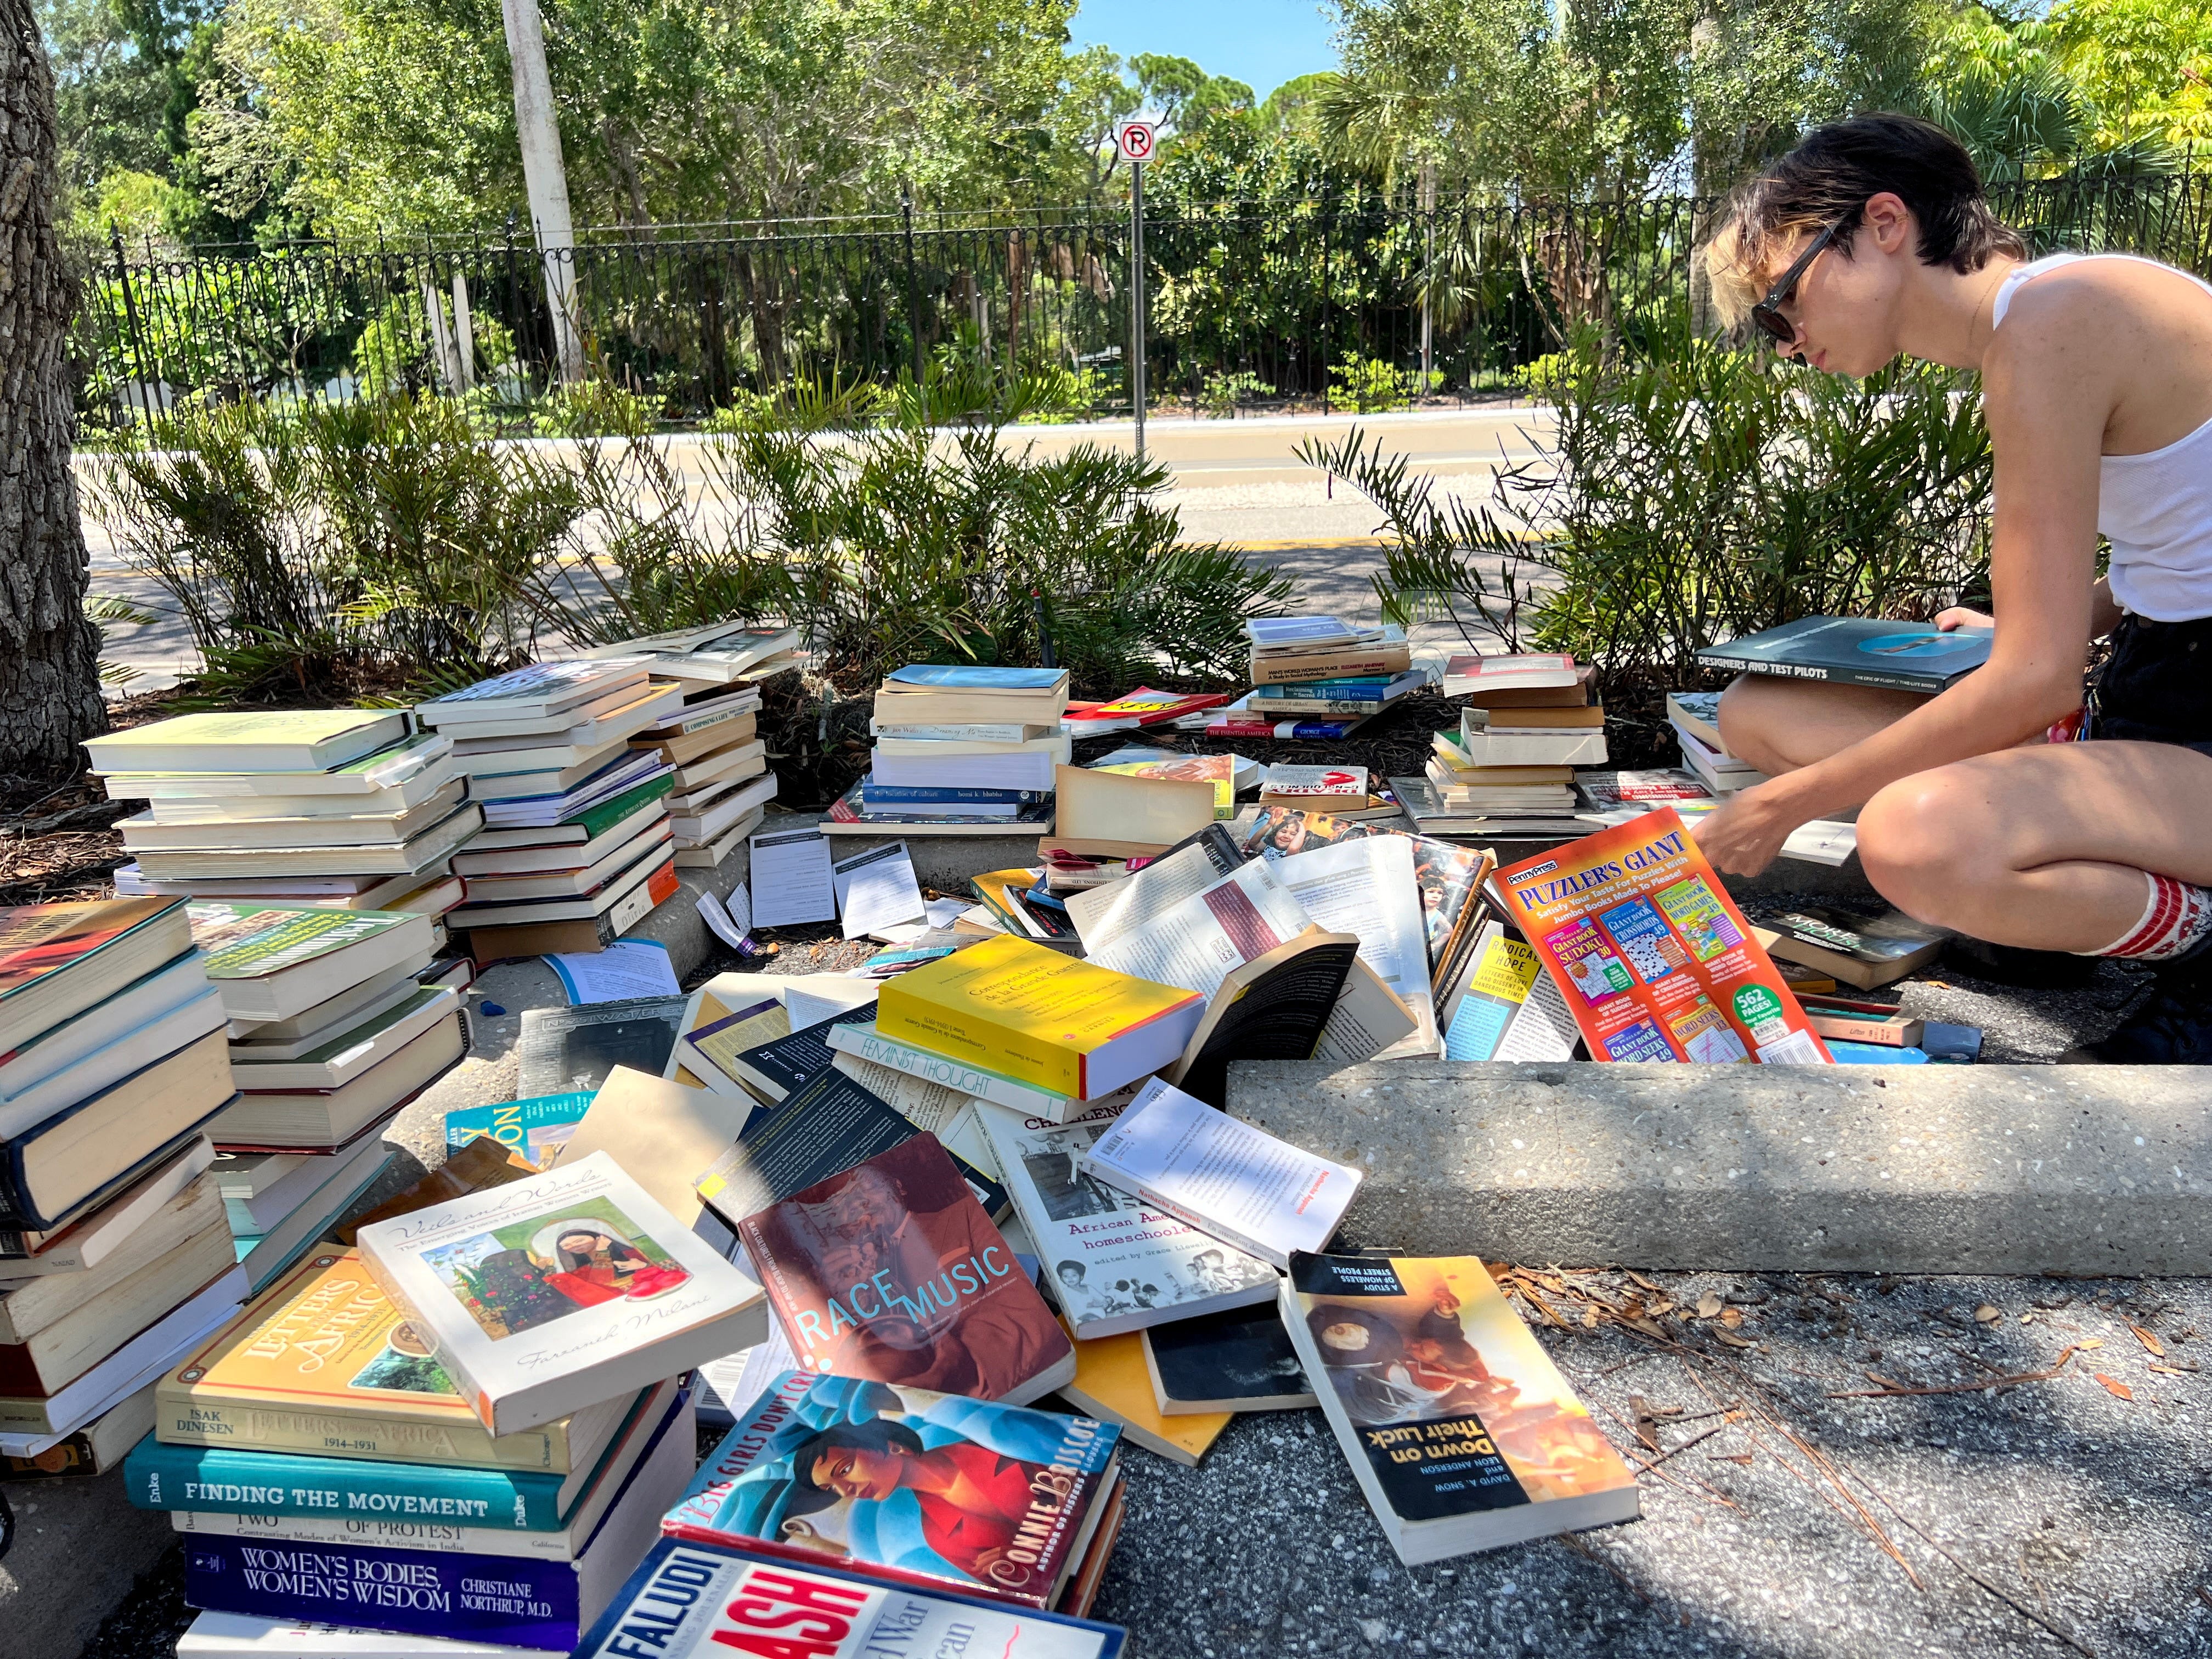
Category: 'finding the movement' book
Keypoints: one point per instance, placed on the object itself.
(1459, 1428)
(906, 1484)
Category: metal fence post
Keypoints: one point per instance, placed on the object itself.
(913, 284)
(131, 321)
(1137, 299)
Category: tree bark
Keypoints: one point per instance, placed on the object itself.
(49, 652)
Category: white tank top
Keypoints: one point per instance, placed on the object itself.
(2156, 508)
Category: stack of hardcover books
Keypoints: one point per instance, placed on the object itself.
(961, 750)
(1510, 769)
(114, 1254)
(469, 1426)
(1318, 678)
(577, 844)
(337, 1019)
(343, 806)
(709, 660)
(1696, 718)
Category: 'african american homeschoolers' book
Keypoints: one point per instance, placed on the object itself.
(907, 1484)
(690, 1600)
(1459, 1430)
(891, 1273)
(546, 1295)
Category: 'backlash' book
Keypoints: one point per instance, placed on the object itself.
(890, 1272)
(906, 1484)
(544, 1296)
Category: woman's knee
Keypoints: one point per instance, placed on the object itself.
(1926, 844)
(1752, 716)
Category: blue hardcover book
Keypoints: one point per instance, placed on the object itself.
(693, 1601)
(1898, 656)
(974, 677)
(872, 793)
(524, 1601)
(232, 1480)
(1371, 688)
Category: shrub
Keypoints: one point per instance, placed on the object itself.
(1368, 385)
(1702, 495)
(1225, 393)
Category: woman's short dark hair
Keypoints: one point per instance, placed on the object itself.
(877, 1434)
(1830, 177)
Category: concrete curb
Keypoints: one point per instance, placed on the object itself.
(1994, 1169)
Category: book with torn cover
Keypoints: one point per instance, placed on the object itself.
(907, 1484)
(891, 1271)
(1459, 1428)
(545, 1296)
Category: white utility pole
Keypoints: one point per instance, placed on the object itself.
(545, 177)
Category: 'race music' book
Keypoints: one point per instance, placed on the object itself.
(906, 1484)
(891, 1271)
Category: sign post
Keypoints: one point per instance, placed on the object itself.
(1135, 139)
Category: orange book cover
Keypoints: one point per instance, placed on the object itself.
(1651, 952)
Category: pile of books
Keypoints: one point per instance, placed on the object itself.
(337, 1020)
(1318, 678)
(577, 844)
(961, 750)
(114, 1253)
(1510, 769)
(468, 1426)
(343, 806)
(722, 784)
(1696, 718)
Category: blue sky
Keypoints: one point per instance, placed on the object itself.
(1262, 43)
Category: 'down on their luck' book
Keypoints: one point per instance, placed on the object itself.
(1459, 1430)
(906, 1484)
(692, 1601)
(546, 1295)
(892, 1272)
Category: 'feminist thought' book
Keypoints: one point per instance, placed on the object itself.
(548, 1295)
(1459, 1430)
(690, 1600)
(891, 1273)
(907, 1484)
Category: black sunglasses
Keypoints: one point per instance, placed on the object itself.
(1767, 313)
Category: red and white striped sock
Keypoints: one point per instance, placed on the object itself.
(2174, 921)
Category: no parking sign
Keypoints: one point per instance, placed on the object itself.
(1135, 139)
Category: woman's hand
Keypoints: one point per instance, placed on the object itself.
(1959, 616)
(1746, 832)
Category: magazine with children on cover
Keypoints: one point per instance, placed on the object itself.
(1651, 952)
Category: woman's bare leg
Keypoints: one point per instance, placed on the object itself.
(1779, 725)
(2042, 847)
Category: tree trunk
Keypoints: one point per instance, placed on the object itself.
(49, 653)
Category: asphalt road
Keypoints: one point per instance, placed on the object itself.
(1236, 481)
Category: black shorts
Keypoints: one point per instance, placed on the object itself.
(2156, 685)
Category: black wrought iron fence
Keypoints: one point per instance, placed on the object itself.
(1347, 301)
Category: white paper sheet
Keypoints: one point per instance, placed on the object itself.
(877, 890)
(730, 922)
(790, 878)
(1366, 888)
(1195, 943)
(628, 968)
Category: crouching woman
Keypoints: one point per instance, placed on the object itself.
(2010, 808)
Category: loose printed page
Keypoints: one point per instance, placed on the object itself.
(877, 890)
(1365, 888)
(628, 968)
(792, 882)
(1195, 943)
(1651, 954)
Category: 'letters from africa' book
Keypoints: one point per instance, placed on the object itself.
(906, 1484)
(1459, 1428)
(891, 1273)
(547, 1294)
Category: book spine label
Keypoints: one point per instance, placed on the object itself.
(158, 1476)
(980, 732)
(375, 1535)
(1324, 730)
(952, 1074)
(892, 792)
(511, 1599)
(188, 1421)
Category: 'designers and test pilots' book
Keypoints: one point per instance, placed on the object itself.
(907, 1484)
(1858, 651)
(1459, 1430)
